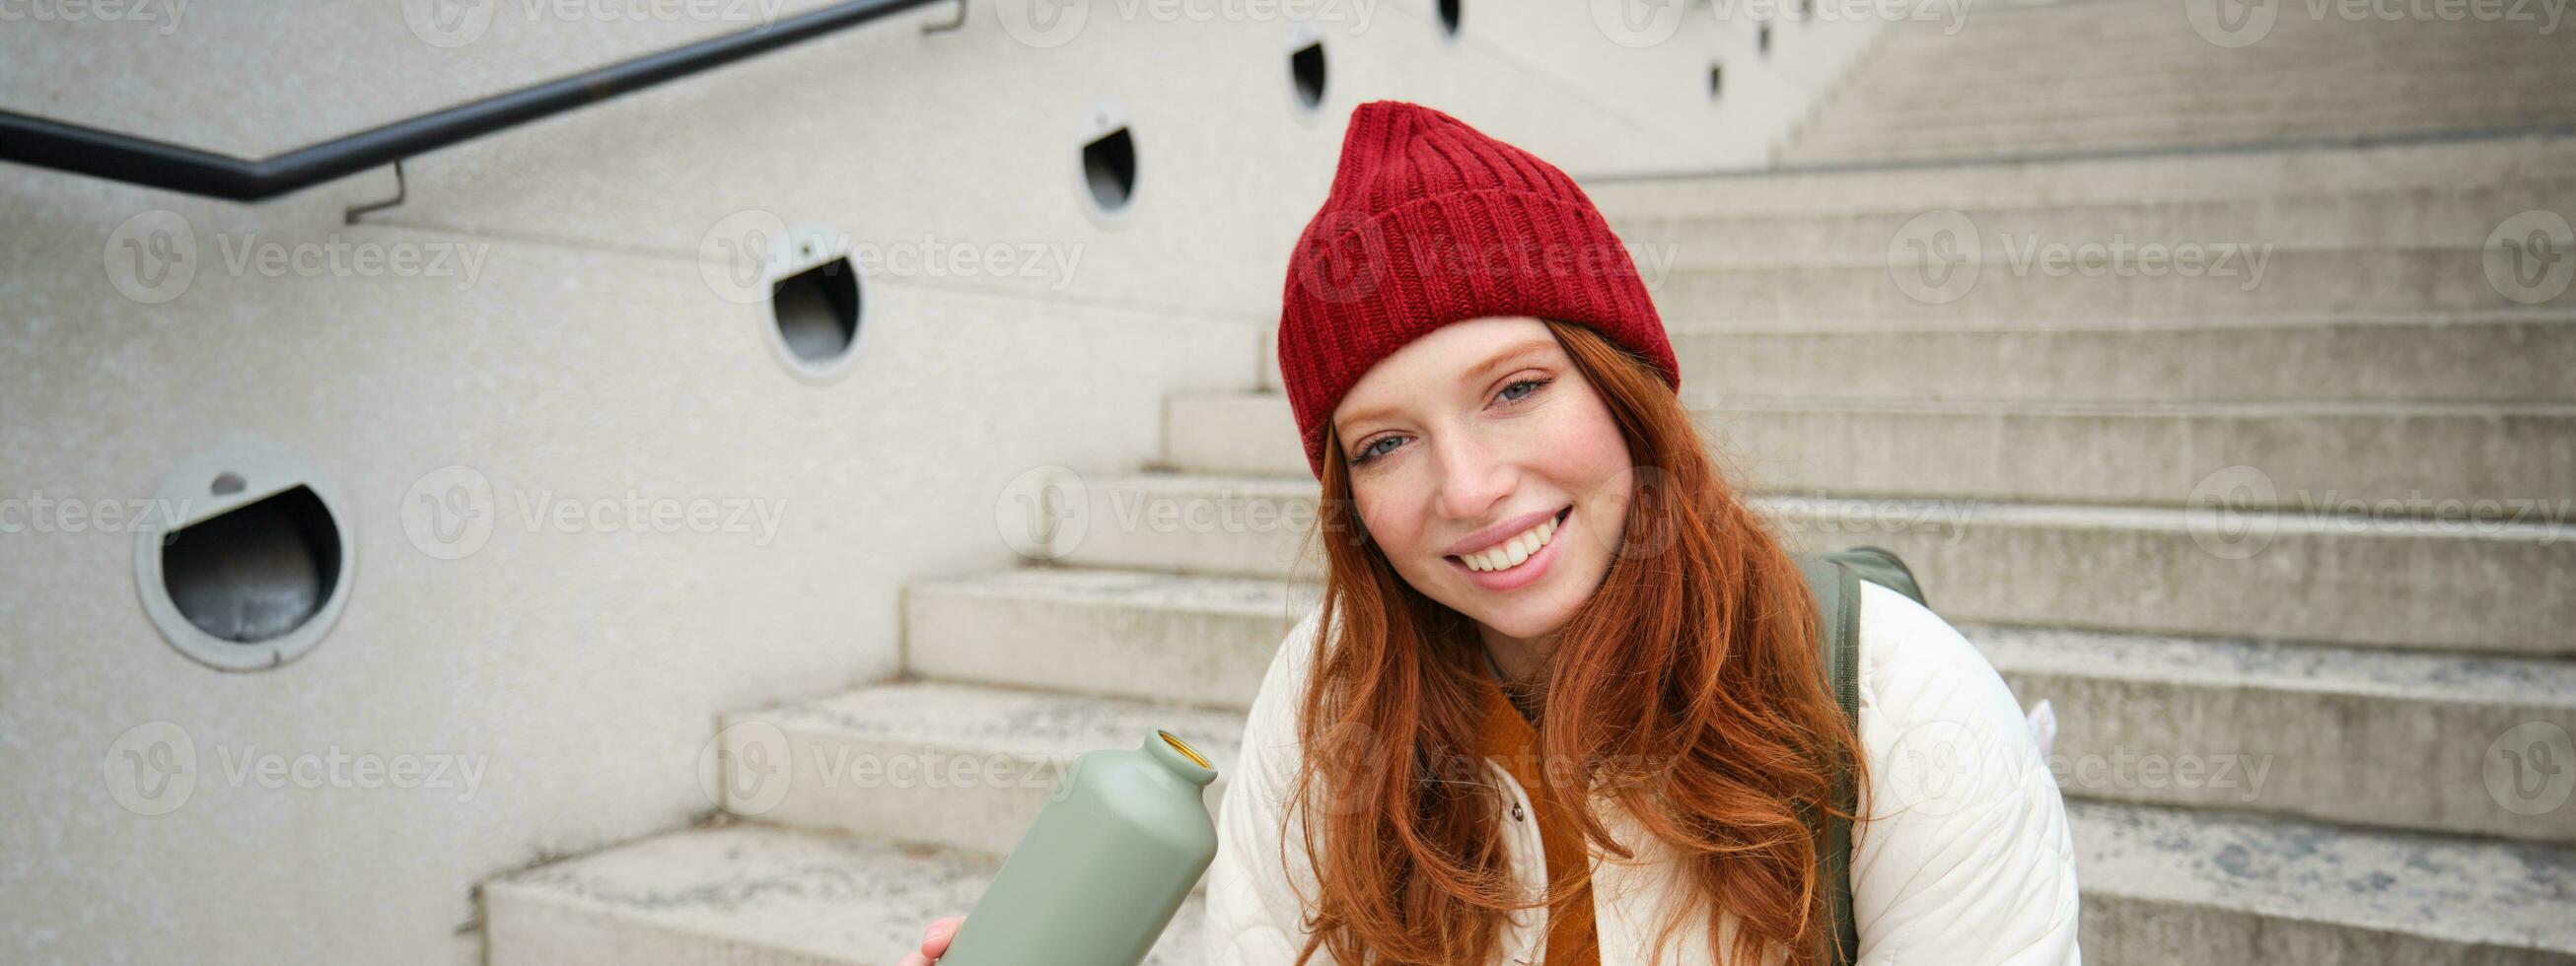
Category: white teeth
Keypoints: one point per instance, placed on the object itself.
(1512, 552)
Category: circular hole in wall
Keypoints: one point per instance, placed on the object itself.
(817, 311)
(256, 573)
(245, 563)
(817, 302)
(1449, 14)
(1109, 168)
(1306, 74)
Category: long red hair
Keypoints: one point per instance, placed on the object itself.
(1686, 688)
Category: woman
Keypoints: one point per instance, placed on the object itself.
(1570, 709)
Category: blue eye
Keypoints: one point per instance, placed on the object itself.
(1534, 385)
(1369, 453)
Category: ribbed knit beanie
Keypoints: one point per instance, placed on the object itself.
(1431, 222)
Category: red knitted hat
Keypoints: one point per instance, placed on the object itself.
(1431, 222)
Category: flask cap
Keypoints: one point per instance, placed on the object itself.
(1178, 756)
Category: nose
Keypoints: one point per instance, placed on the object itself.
(1474, 478)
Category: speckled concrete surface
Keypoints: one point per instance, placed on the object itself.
(2398, 740)
(2079, 77)
(2496, 360)
(2253, 177)
(747, 894)
(2295, 283)
(2247, 890)
(2159, 883)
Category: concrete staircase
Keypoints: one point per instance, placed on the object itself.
(2294, 727)
(2110, 75)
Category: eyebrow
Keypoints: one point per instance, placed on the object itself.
(1510, 354)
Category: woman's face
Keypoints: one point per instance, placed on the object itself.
(1469, 437)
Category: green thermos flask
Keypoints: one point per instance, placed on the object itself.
(1100, 873)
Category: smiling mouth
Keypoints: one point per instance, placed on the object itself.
(1558, 525)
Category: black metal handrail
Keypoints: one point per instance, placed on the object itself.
(159, 164)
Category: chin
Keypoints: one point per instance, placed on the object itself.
(1526, 626)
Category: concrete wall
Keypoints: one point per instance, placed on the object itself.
(555, 343)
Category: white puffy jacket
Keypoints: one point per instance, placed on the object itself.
(1966, 858)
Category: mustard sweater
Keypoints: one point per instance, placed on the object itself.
(1507, 734)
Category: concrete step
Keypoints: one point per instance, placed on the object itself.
(2478, 460)
(1135, 635)
(2215, 572)
(1270, 364)
(1159, 637)
(2151, 85)
(2395, 361)
(2045, 281)
(2121, 131)
(2408, 218)
(2181, 886)
(955, 765)
(2422, 742)
(748, 895)
(2210, 571)
(2258, 176)
(2398, 740)
(2134, 453)
(1982, 147)
(2160, 886)
(2202, 93)
(2170, 45)
(2090, 33)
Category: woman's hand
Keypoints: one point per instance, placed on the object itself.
(934, 941)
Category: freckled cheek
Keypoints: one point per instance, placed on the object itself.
(1398, 532)
(1593, 460)
(1582, 445)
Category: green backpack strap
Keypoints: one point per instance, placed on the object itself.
(1878, 566)
(1835, 579)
